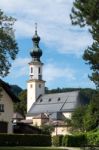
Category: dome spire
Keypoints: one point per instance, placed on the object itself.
(36, 52)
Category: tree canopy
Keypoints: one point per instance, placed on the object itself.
(86, 12)
(8, 44)
(21, 106)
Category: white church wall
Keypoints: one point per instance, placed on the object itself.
(30, 94)
(34, 90)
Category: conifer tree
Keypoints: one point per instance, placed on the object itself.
(86, 13)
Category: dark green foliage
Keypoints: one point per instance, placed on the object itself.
(86, 12)
(21, 106)
(93, 138)
(77, 118)
(86, 118)
(77, 140)
(91, 55)
(8, 45)
(69, 140)
(47, 129)
(57, 140)
(60, 90)
(24, 140)
(91, 118)
(16, 89)
(64, 140)
(87, 93)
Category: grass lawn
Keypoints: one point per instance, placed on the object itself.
(36, 148)
(41, 148)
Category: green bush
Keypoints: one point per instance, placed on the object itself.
(74, 140)
(24, 140)
(77, 140)
(57, 140)
(93, 138)
(64, 140)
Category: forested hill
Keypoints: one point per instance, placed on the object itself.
(60, 90)
(86, 93)
(16, 89)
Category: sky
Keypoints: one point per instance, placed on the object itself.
(62, 43)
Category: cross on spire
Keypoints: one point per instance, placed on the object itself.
(35, 27)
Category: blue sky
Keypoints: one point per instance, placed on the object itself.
(62, 44)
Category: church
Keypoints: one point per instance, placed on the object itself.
(45, 108)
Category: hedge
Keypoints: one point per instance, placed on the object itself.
(74, 140)
(57, 140)
(77, 140)
(69, 140)
(24, 140)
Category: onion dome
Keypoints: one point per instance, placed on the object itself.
(36, 52)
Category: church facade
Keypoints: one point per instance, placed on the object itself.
(45, 108)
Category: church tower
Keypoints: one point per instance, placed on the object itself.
(35, 85)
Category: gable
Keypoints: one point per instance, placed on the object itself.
(7, 89)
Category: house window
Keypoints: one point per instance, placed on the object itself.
(1, 107)
(31, 69)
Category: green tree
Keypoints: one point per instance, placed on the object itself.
(91, 118)
(8, 45)
(86, 12)
(21, 106)
(47, 129)
(77, 118)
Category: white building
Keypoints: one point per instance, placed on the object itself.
(55, 106)
(7, 100)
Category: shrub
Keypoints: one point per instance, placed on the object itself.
(93, 138)
(57, 140)
(74, 140)
(64, 140)
(24, 140)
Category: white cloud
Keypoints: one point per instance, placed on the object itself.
(19, 68)
(54, 23)
(52, 73)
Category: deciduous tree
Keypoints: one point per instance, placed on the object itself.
(8, 44)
